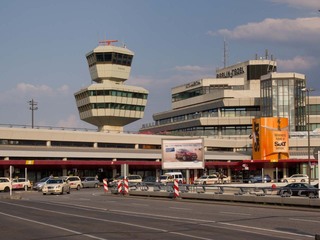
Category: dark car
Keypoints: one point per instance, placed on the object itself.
(298, 189)
(186, 155)
(257, 179)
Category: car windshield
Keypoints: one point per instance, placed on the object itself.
(203, 177)
(163, 177)
(43, 179)
(54, 181)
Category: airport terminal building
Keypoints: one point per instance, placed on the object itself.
(218, 110)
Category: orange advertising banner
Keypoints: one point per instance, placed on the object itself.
(270, 138)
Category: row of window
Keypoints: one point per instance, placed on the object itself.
(224, 112)
(76, 144)
(109, 57)
(119, 106)
(202, 91)
(115, 93)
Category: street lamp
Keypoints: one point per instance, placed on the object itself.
(308, 90)
(33, 107)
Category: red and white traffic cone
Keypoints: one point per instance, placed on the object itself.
(176, 189)
(119, 186)
(125, 186)
(105, 185)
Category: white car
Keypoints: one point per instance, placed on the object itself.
(5, 184)
(207, 179)
(56, 186)
(296, 178)
(21, 183)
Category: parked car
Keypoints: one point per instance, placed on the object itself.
(299, 189)
(56, 186)
(5, 184)
(132, 180)
(186, 155)
(38, 185)
(90, 182)
(150, 181)
(296, 178)
(207, 179)
(73, 181)
(257, 179)
(21, 183)
(171, 176)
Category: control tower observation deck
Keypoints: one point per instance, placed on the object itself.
(108, 103)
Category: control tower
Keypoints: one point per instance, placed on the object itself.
(108, 103)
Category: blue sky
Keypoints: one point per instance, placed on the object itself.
(43, 46)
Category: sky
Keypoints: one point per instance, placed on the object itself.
(43, 46)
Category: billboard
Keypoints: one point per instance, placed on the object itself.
(182, 153)
(270, 138)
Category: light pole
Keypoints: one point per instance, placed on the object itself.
(308, 90)
(33, 107)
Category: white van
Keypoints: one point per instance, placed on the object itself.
(171, 176)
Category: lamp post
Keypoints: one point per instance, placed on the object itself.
(308, 90)
(33, 107)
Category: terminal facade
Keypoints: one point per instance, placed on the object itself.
(219, 110)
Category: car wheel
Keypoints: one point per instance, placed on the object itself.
(249, 181)
(78, 187)
(311, 195)
(96, 185)
(6, 189)
(184, 158)
(302, 180)
(44, 193)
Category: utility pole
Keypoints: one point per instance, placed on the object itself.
(33, 107)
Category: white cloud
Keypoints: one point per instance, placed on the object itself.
(71, 122)
(190, 68)
(302, 30)
(298, 63)
(311, 4)
(23, 90)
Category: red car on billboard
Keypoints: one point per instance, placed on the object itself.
(186, 155)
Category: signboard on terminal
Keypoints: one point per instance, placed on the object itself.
(231, 73)
(182, 153)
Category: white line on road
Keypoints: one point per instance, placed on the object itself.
(52, 226)
(233, 213)
(180, 208)
(304, 220)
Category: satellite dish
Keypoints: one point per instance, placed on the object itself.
(315, 152)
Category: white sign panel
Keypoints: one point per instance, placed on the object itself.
(182, 154)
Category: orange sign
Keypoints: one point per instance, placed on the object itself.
(270, 138)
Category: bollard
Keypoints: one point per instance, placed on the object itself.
(176, 189)
(119, 186)
(125, 186)
(105, 185)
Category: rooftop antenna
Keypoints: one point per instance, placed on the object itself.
(225, 53)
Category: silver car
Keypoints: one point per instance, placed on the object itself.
(38, 185)
(90, 182)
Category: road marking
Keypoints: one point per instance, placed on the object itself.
(236, 227)
(233, 213)
(265, 230)
(53, 226)
(180, 208)
(97, 219)
(304, 220)
(140, 204)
